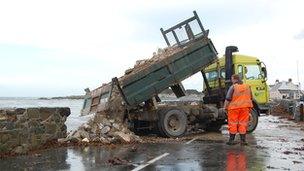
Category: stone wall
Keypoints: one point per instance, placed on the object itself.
(25, 129)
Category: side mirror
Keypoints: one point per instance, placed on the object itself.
(264, 71)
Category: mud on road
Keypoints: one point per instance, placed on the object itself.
(277, 144)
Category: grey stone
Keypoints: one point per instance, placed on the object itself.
(123, 136)
(64, 111)
(82, 134)
(20, 111)
(56, 117)
(106, 122)
(85, 140)
(21, 149)
(74, 139)
(33, 113)
(45, 113)
(96, 128)
(105, 130)
(50, 128)
(4, 148)
(116, 126)
(62, 140)
(104, 140)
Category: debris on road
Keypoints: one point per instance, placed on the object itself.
(117, 161)
(290, 109)
(289, 152)
(296, 162)
(103, 130)
(299, 149)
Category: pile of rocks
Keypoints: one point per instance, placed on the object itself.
(102, 129)
(157, 56)
(291, 109)
(282, 107)
(25, 129)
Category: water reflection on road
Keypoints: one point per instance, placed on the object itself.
(199, 155)
(272, 146)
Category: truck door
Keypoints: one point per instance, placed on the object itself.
(254, 77)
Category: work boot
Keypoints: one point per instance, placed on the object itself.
(231, 140)
(243, 139)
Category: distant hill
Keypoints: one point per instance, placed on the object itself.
(76, 97)
(72, 97)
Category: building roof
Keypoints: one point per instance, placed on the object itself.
(284, 85)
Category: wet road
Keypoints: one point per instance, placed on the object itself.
(275, 145)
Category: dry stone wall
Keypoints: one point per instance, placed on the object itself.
(24, 129)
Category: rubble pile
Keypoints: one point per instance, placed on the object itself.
(288, 108)
(102, 129)
(282, 107)
(157, 56)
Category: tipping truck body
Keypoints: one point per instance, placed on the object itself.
(134, 96)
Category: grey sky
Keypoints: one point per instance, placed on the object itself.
(300, 35)
(52, 48)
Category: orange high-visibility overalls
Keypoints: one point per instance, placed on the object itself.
(239, 108)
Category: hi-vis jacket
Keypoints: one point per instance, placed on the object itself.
(241, 97)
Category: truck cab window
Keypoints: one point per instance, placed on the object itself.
(240, 71)
(252, 72)
(212, 75)
(222, 73)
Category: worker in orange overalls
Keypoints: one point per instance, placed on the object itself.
(238, 103)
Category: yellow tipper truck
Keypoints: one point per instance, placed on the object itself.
(251, 70)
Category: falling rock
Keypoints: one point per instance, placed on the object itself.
(85, 140)
(86, 127)
(80, 134)
(104, 140)
(74, 139)
(116, 126)
(128, 71)
(123, 136)
(105, 130)
(62, 140)
(96, 128)
(105, 122)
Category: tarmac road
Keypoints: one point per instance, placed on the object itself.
(277, 144)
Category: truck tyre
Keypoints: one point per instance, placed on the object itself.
(253, 120)
(214, 126)
(172, 122)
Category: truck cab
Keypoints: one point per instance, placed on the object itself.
(252, 72)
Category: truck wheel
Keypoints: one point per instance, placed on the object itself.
(214, 126)
(253, 120)
(172, 122)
